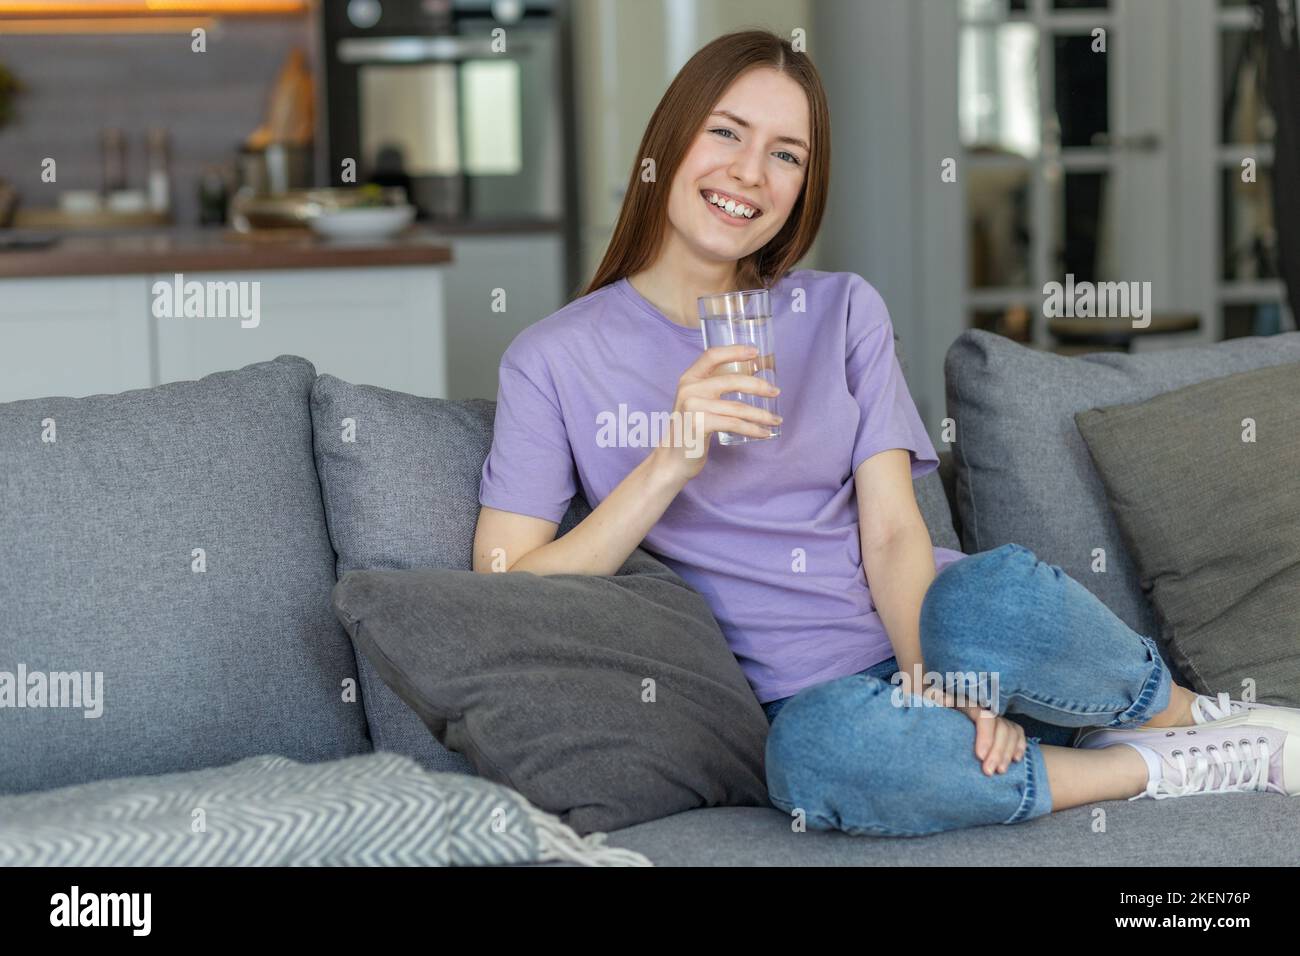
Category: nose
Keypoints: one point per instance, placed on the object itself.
(747, 167)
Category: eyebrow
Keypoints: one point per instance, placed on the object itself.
(740, 122)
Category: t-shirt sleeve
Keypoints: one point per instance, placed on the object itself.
(529, 469)
(888, 417)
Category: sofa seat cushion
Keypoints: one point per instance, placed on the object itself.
(1208, 830)
(168, 545)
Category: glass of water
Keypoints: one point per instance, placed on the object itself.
(743, 318)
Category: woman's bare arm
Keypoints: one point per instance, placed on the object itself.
(897, 553)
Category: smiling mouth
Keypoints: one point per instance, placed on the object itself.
(704, 194)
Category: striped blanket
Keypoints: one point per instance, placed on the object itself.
(377, 809)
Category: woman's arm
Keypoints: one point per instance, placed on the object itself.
(897, 554)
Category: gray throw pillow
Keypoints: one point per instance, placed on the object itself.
(1023, 472)
(608, 700)
(1209, 506)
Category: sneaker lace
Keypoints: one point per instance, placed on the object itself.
(1215, 710)
(1200, 778)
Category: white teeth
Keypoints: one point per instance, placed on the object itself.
(739, 210)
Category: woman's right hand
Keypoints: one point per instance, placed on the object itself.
(686, 448)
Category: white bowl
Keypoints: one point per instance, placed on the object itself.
(363, 222)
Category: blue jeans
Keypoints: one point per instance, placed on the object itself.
(1018, 636)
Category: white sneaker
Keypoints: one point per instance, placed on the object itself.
(1257, 749)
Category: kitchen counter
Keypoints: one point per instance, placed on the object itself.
(215, 250)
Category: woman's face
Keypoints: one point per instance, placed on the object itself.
(743, 150)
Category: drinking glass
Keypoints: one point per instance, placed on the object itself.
(743, 318)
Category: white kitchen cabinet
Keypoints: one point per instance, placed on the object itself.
(79, 335)
(74, 336)
(381, 326)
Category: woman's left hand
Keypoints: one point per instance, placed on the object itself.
(998, 741)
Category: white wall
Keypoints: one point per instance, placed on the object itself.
(890, 71)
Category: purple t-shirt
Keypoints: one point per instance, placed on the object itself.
(767, 531)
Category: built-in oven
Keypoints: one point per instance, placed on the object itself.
(458, 100)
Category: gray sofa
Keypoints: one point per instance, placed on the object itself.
(182, 542)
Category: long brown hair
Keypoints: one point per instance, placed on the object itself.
(690, 98)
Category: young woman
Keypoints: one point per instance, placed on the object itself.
(810, 547)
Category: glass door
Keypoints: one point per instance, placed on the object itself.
(1063, 113)
(1251, 296)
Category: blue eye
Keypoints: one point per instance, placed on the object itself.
(793, 160)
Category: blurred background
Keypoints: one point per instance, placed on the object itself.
(214, 139)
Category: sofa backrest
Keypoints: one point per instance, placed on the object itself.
(164, 555)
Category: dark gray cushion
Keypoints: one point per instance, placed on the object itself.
(97, 534)
(608, 700)
(1213, 522)
(1023, 472)
(403, 493)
